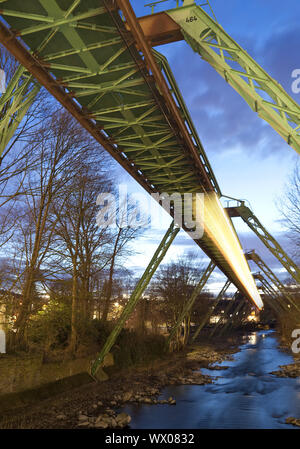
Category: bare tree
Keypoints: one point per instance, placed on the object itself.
(22, 107)
(80, 247)
(56, 144)
(174, 284)
(290, 208)
(126, 231)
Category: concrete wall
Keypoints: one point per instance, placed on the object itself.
(19, 373)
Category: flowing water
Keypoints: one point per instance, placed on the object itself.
(246, 396)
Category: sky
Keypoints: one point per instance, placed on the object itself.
(249, 159)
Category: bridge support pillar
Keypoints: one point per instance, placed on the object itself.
(211, 311)
(267, 239)
(189, 304)
(273, 293)
(137, 293)
(14, 104)
(252, 255)
(226, 314)
(232, 319)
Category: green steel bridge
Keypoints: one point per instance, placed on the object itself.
(97, 59)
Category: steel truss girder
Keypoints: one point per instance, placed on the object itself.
(164, 65)
(269, 241)
(226, 312)
(32, 51)
(269, 290)
(231, 319)
(252, 255)
(212, 308)
(189, 304)
(51, 22)
(215, 46)
(274, 293)
(275, 305)
(137, 293)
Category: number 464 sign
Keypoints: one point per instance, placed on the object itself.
(191, 19)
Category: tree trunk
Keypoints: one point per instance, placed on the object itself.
(110, 279)
(74, 336)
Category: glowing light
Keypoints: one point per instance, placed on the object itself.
(218, 227)
(253, 339)
(252, 317)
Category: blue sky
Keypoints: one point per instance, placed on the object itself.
(250, 160)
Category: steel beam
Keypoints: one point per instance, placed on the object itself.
(226, 312)
(273, 304)
(270, 293)
(252, 255)
(211, 310)
(20, 93)
(231, 319)
(35, 66)
(263, 94)
(160, 29)
(268, 240)
(189, 304)
(137, 32)
(137, 293)
(274, 294)
(166, 69)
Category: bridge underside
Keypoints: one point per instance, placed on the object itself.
(105, 74)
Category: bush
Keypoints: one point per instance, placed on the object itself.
(50, 328)
(131, 347)
(287, 322)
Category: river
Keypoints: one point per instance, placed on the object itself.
(245, 396)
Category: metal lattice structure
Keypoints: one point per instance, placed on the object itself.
(271, 297)
(86, 56)
(221, 321)
(96, 58)
(269, 241)
(137, 293)
(252, 255)
(211, 310)
(14, 104)
(263, 94)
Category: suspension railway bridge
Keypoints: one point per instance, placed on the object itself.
(98, 60)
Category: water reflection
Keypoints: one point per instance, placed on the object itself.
(246, 396)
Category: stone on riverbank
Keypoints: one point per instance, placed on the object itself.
(294, 421)
(292, 370)
(105, 421)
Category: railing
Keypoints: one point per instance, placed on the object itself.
(153, 4)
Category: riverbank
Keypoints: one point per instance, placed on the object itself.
(95, 404)
(292, 369)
